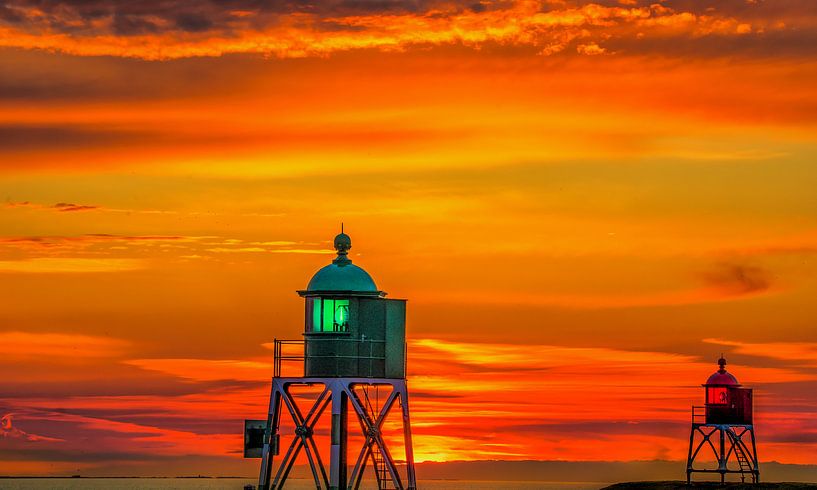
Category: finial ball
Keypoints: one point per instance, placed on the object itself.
(343, 243)
(722, 363)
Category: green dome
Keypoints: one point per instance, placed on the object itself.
(342, 277)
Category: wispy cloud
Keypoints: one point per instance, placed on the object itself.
(58, 241)
(63, 207)
(469, 401)
(9, 431)
(722, 292)
(103, 252)
(567, 396)
(58, 265)
(30, 345)
(802, 353)
(739, 279)
(207, 369)
(70, 207)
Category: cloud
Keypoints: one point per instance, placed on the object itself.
(66, 265)
(719, 282)
(71, 207)
(39, 242)
(63, 207)
(469, 401)
(803, 353)
(519, 394)
(8, 430)
(236, 250)
(28, 137)
(739, 278)
(295, 29)
(102, 252)
(721, 291)
(189, 22)
(590, 49)
(28, 345)
(207, 369)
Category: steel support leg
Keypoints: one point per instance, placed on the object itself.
(404, 404)
(689, 455)
(337, 452)
(271, 438)
(754, 455)
(722, 457)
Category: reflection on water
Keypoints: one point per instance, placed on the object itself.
(238, 484)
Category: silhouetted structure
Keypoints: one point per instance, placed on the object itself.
(354, 345)
(724, 423)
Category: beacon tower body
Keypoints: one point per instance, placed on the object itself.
(354, 346)
(724, 426)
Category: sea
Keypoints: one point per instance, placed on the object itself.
(239, 484)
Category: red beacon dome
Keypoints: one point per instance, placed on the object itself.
(721, 377)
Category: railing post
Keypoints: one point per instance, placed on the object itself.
(279, 356)
(275, 370)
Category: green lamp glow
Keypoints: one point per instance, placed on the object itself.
(341, 313)
(330, 315)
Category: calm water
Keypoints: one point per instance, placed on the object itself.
(238, 484)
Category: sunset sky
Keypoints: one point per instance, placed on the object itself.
(585, 203)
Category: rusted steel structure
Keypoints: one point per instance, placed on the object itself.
(354, 348)
(724, 425)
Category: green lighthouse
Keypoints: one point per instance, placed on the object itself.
(354, 354)
(351, 329)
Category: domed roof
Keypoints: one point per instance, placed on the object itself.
(721, 377)
(342, 276)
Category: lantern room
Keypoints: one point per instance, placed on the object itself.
(726, 401)
(350, 328)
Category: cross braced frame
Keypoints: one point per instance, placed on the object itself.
(727, 444)
(338, 393)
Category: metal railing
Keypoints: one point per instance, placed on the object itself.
(698, 414)
(358, 353)
(278, 350)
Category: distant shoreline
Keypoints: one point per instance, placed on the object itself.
(681, 485)
(601, 472)
(74, 477)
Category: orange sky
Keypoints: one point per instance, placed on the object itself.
(584, 202)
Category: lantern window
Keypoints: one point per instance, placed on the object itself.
(330, 315)
(717, 395)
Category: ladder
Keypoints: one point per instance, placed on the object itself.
(384, 480)
(381, 469)
(740, 455)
